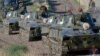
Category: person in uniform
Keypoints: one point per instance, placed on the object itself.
(44, 11)
(83, 20)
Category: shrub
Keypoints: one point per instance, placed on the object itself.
(16, 50)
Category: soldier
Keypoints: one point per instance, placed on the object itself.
(44, 11)
(84, 21)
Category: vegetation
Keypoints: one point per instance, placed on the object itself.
(16, 50)
(36, 6)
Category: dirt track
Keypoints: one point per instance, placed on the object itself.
(36, 48)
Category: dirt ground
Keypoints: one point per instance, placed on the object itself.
(35, 48)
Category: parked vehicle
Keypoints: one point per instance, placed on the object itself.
(30, 28)
(68, 35)
(13, 26)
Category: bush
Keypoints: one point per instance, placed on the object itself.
(16, 50)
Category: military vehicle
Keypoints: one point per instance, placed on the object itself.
(67, 36)
(36, 20)
(30, 29)
(11, 25)
(9, 5)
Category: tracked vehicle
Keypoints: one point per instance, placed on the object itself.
(69, 38)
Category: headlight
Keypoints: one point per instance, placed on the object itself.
(8, 14)
(45, 20)
(22, 16)
(50, 20)
(28, 16)
(61, 22)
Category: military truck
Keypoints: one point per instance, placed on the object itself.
(67, 36)
(31, 17)
(11, 25)
(31, 32)
(9, 5)
(30, 29)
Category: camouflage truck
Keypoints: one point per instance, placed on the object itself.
(67, 36)
(32, 17)
(11, 25)
(30, 29)
(8, 5)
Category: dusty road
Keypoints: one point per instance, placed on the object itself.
(36, 48)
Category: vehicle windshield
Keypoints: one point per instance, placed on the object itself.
(62, 21)
(67, 19)
(30, 16)
(12, 14)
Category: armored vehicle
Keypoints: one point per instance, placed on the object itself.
(68, 35)
(40, 22)
(8, 5)
(11, 24)
(30, 29)
(31, 32)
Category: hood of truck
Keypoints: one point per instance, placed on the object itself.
(32, 24)
(13, 20)
(77, 32)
